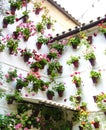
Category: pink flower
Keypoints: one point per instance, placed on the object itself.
(18, 126)
(25, 128)
(7, 76)
(33, 94)
(37, 119)
(1, 83)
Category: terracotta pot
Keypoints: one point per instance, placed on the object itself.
(25, 18)
(13, 9)
(95, 98)
(15, 35)
(10, 101)
(95, 80)
(50, 96)
(11, 50)
(26, 58)
(74, 46)
(38, 45)
(78, 98)
(5, 23)
(25, 38)
(49, 26)
(89, 39)
(35, 69)
(76, 64)
(49, 71)
(60, 93)
(96, 124)
(37, 11)
(77, 85)
(92, 61)
(19, 87)
(83, 107)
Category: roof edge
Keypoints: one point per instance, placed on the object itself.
(54, 3)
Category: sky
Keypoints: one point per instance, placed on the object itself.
(84, 10)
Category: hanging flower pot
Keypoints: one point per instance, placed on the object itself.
(78, 99)
(13, 9)
(10, 98)
(37, 7)
(50, 94)
(77, 81)
(89, 39)
(38, 45)
(15, 35)
(60, 69)
(95, 76)
(38, 10)
(96, 123)
(49, 25)
(25, 17)
(5, 23)
(74, 60)
(95, 98)
(91, 57)
(8, 20)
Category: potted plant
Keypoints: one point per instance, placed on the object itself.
(95, 76)
(50, 94)
(27, 54)
(91, 57)
(20, 83)
(77, 81)
(39, 27)
(37, 7)
(8, 20)
(40, 41)
(74, 41)
(15, 5)
(83, 106)
(58, 46)
(54, 68)
(60, 88)
(89, 39)
(96, 123)
(12, 74)
(74, 60)
(12, 44)
(26, 16)
(53, 53)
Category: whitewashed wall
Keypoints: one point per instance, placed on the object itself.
(88, 88)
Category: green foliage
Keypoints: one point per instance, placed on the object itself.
(76, 80)
(11, 75)
(75, 40)
(10, 19)
(89, 56)
(60, 87)
(95, 74)
(42, 39)
(57, 46)
(51, 92)
(17, 4)
(73, 59)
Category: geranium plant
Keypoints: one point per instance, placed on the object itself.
(74, 60)
(8, 20)
(91, 57)
(2, 46)
(95, 75)
(12, 74)
(50, 94)
(77, 81)
(37, 7)
(27, 54)
(12, 44)
(74, 41)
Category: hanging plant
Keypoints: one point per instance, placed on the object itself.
(12, 44)
(12, 74)
(26, 16)
(37, 7)
(27, 54)
(74, 41)
(74, 60)
(60, 88)
(8, 20)
(77, 81)
(58, 46)
(15, 5)
(50, 94)
(95, 76)
(53, 54)
(40, 41)
(2, 46)
(102, 29)
(91, 57)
